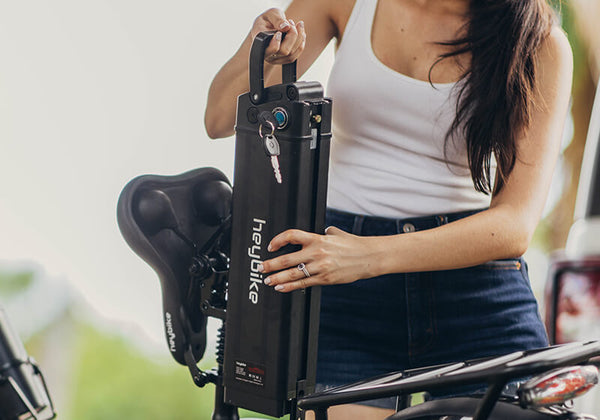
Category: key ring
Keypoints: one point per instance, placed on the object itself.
(260, 133)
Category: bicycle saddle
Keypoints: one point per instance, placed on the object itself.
(179, 226)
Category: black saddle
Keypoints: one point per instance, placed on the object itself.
(179, 225)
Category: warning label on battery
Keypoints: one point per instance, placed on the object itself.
(250, 372)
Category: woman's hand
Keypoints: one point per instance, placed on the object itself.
(278, 51)
(232, 80)
(334, 258)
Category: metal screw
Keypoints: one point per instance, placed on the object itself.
(316, 118)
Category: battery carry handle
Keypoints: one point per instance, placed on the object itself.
(257, 54)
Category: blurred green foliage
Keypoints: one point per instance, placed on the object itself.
(13, 283)
(114, 380)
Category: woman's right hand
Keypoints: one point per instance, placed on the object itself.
(280, 51)
(232, 80)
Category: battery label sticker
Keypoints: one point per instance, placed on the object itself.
(250, 372)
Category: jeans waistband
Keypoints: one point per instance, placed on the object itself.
(373, 225)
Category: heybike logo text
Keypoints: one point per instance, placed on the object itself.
(170, 333)
(256, 276)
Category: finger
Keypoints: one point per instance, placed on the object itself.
(272, 20)
(300, 41)
(292, 236)
(276, 19)
(296, 50)
(284, 261)
(290, 275)
(297, 285)
(277, 59)
(289, 41)
(271, 52)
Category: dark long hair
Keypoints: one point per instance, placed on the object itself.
(496, 96)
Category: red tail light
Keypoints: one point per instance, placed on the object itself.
(558, 386)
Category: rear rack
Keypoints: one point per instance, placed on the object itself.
(496, 372)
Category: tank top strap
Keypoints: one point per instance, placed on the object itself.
(358, 29)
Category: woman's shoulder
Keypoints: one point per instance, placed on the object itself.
(555, 64)
(556, 50)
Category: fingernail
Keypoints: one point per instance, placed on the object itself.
(284, 24)
(292, 22)
(278, 36)
(267, 281)
(279, 287)
(269, 248)
(301, 24)
(261, 268)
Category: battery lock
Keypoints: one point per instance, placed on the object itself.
(281, 116)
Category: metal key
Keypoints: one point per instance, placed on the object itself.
(272, 149)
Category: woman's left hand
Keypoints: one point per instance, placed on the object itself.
(334, 258)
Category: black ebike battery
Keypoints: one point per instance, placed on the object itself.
(271, 338)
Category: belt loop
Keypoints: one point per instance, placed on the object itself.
(358, 224)
(398, 226)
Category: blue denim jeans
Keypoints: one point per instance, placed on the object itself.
(403, 321)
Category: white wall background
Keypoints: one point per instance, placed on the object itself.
(92, 94)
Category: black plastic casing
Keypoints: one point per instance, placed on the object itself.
(271, 340)
(20, 379)
(169, 256)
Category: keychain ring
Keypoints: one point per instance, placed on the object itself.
(260, 133)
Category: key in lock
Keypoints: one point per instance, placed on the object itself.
(272, 149)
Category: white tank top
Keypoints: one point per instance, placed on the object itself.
(388, 136)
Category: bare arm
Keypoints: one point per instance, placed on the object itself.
(308, 30)
(502, 231)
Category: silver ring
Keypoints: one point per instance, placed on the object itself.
(302, 267)
(260, 133)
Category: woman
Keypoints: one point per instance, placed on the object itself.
(447, 123)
